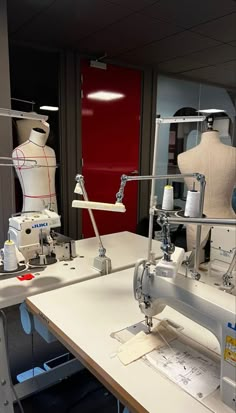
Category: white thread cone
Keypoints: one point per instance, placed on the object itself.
(10, 260)
(192, 204)
(168, 198)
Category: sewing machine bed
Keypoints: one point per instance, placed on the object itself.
(187, 363)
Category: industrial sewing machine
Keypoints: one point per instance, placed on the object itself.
(157, 284)
(155, 287)
(34, 236)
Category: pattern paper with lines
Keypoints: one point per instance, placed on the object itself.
(198, 375)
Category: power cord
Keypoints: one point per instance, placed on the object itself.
(5, 325)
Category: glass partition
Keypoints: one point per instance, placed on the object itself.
(177, 97)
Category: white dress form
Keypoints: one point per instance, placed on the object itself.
(38, 183)
(218, 163)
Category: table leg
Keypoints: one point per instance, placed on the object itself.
(6, 393)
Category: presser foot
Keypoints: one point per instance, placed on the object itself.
(149, 323)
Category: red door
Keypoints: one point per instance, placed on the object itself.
(110, 142)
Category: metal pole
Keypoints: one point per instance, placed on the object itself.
(199, 228)
(232, 264)
(180, 119)
(159, 177)
(80, 180)
(228, 275)
(152, 200)
(22, 115)
(204, 221)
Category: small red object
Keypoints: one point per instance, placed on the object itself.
(25, 277)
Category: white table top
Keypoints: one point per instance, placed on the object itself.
(124, 249)
(84, 315)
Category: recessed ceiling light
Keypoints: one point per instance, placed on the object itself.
(210, 110)
(53, 108)
(105, 96)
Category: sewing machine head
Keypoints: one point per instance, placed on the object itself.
(31, 232)
(158, 285)
(212, 308)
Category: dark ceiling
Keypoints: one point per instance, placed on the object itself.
(192, 38)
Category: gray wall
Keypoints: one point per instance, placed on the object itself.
(6, 173)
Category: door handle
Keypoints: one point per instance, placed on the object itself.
(135, 172)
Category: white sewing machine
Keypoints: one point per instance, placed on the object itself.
(34, 237)
(212, 308)
(158, 284)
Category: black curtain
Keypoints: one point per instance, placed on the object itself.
(70, 140)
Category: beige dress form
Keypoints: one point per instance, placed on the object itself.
(218, 163)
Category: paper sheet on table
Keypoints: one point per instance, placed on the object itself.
(142, 343)
(196, 373)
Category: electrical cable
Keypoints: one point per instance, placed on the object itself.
(5, 324)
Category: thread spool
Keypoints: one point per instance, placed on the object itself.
(10, 262)
(192, 204)
(168, 198)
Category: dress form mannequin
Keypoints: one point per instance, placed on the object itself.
(24, 127)
(218, 163)
(38, 183)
